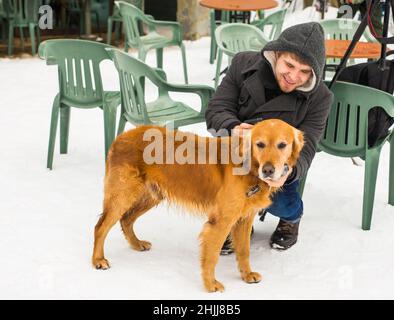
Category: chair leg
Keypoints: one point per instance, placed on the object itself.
(118, 30)
(391, 171)
(142, 55)
(52, 131)
(212, 52)
(109, 30)
(218, 66)
(68, 21)
(64, 128)
(301, 186)
(109, 126)
(184, 63)
(32, 39)
(10, 39)
(81, 23)
(22, 38)
(371, 170)
(98, 23)
(159, 58)
(121, 125)
(38, 36)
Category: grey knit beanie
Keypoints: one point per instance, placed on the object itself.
(307, 41)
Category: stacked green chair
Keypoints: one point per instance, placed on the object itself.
(80, 86)
(163, 111)
(2, 20)
(22, 14)
(275, 23)
(74, 9)
(232, 38)
(132, 17)
(116, 19)
(346, 135)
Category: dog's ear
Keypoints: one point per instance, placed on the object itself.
(298, 144)
(241, 153)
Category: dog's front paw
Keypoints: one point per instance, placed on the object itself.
(252, 277)
(214, 286)
(142, 245)
(101, 264)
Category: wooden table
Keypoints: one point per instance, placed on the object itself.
(337, 49)
(239, 5)
(231, 7)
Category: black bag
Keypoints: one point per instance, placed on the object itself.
(369, 74)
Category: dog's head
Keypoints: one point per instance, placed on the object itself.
(276, 146)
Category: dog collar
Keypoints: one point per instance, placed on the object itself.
(253, 190)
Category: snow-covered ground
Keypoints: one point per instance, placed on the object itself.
(47, 217)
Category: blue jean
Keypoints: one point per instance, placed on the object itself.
(287, 203)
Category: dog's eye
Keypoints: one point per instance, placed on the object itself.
(260, 145)
(282, 145)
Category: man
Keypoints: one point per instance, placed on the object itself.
(282, 81)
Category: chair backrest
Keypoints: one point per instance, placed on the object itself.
(2, 10)
(21, 11)
(137, 3)
(275, 21)
(131, 17)
(131, 77)
(339, 29)
(346, 132)
(74, 4)
(232, 38)
(78, 64)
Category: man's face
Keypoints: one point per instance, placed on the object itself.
(291, 74)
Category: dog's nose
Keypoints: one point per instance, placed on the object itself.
(268, 169)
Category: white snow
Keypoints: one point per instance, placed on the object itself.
(47, 217)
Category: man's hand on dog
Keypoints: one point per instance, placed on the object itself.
(242, 128)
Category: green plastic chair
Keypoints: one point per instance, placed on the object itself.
(22, 14)
(116, 19)
(132, 16)
(163, 111)
(274, 21)
(346, 135)
(224, 18)
(74, 9)
(342, 29)
(80, 86)
(232, 38)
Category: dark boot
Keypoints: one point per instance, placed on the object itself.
(227, 247)
(285, 235)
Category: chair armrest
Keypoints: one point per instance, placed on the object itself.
(44, 54)
(175, 27)
(203, 91)
(161, 73)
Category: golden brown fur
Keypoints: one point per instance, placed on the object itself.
(132, 187)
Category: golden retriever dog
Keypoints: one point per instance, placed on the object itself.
(229, 198)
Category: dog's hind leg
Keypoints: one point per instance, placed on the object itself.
(105, 223)
(127, 222)
(118, 199)
(212, 238)
(240, 235)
